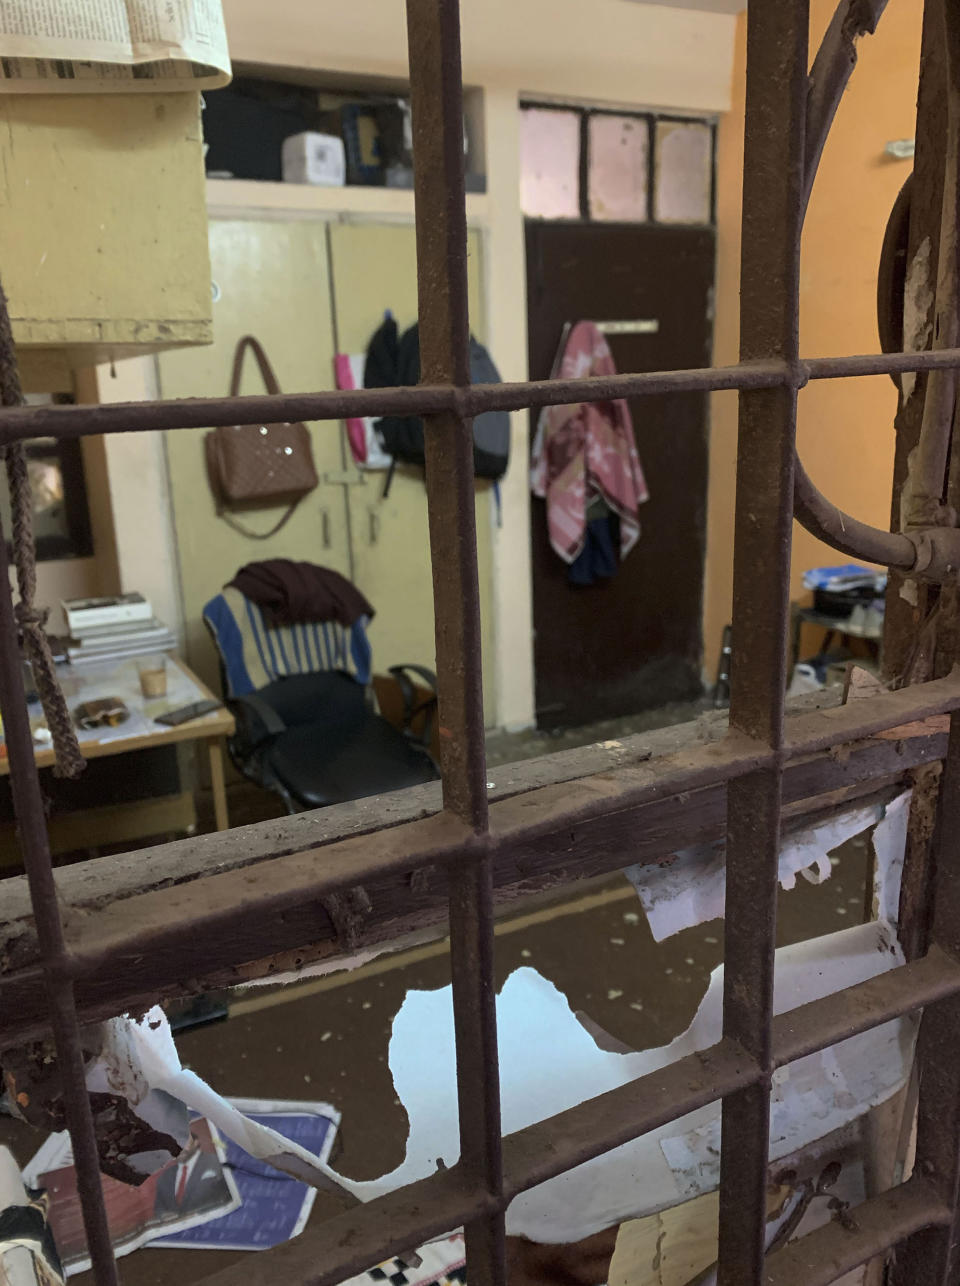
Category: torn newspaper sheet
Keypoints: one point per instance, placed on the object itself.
(692, 889)
(213, 1196)
(273, 1207)
(72, 46)
(186, 1192)
(549, 1062)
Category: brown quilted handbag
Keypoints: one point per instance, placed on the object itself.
(255, 465)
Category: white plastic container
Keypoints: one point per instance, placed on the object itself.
(314, 158)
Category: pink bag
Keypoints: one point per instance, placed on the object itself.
(356, 434)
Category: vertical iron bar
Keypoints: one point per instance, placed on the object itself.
(932, 1257)
(777, 32)
(433, 28)
(32, 830)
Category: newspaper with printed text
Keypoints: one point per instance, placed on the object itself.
(93, 46)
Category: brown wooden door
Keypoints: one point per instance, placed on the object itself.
(635, 641)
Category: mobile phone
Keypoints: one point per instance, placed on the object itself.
(184, 714)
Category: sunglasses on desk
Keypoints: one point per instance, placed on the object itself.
(108, 712)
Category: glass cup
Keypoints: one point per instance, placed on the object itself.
(153, 675)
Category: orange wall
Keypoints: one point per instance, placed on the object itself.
(845, 430)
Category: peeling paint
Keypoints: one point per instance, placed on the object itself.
(917, 310)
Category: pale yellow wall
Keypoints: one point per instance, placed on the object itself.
(605, 50)
(374, 266)
(507, 336)
(718, 570)
(273, 282)
(845, 430)
(608, 51)
(136, 481)
(63, 578)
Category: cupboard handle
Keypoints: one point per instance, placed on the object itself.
(374, 526)
(325, 527)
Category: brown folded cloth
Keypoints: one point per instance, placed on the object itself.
(293, 593)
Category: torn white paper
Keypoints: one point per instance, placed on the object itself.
(692, 889)
(115, 1071)
(889, 847)
(140, 1058)
(549, 1062)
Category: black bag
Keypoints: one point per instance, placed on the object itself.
(394, 360)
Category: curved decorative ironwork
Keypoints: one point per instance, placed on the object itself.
(936, 551)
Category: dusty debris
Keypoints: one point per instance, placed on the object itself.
(918, 300)
(131, 1144)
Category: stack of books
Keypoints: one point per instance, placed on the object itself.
(113, 629)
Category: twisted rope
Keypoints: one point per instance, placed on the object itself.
(31, 619)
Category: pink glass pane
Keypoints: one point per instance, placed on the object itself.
(617, 169)
(684, 166)
(550, 163)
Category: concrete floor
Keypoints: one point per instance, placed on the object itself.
(326, 1039)
(510, 747)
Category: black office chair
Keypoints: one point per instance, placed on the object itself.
(306, 728)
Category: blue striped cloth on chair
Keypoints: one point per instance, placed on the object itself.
(254, 654)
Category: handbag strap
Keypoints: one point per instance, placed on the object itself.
(267, 373)
(232, 521)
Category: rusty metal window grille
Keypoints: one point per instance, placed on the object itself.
(90, 966)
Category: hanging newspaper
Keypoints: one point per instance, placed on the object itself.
(75, 46)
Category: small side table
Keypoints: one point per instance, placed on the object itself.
(834, 626)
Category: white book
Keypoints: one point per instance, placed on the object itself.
(80, 659)
(123, 628)
(161, 642)
(118, 638)
(81, 613)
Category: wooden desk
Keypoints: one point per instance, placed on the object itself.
(140, 732)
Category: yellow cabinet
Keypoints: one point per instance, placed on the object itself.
(307, 289)
(375, 268)
(270, 280)
(103, 225)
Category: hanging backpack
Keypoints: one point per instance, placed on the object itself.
(394, 360)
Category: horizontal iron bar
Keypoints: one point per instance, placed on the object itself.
(64, 422)
(548, 1148)
(158, 940)
(876, 1226)
(185, 413)
(833, 368)
(821, 1023)
(86, 886)
(884, 712)
(593, 849)
(223, 904)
